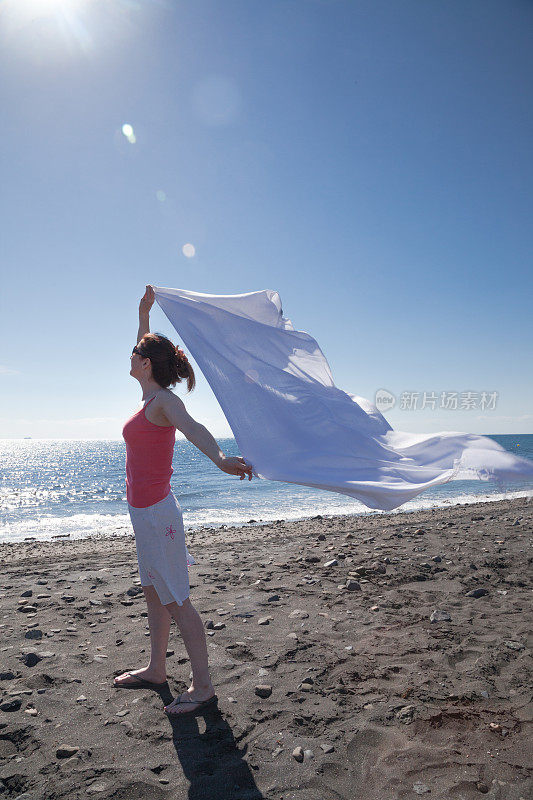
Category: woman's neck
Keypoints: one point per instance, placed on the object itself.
(150, 389)
(148, 396)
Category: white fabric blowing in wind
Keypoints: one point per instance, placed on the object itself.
(291, 422)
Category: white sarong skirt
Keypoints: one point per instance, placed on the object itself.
(162, 554)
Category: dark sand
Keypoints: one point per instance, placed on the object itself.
(384, 702)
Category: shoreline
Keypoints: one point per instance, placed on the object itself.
(349, 655)
(235, 533)
(253, 523)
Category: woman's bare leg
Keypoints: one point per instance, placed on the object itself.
(159, 621)
(192, 630)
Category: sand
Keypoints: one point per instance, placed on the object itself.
(373, 694)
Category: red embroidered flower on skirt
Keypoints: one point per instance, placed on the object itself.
(170, 532)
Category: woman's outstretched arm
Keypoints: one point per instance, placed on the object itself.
(174, 410)
(144, 312)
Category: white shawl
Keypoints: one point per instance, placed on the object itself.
(291, 422)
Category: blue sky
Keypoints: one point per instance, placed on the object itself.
(369, 160)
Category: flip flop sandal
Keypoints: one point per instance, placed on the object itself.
(139, 683)
(200, 707)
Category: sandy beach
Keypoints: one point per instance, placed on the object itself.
(385, 657)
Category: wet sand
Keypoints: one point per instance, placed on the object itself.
(349, 655)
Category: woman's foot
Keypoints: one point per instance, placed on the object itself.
(146, 673)
(199, 695)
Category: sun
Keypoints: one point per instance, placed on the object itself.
(43, 8)
(22, 12)
(44, 24)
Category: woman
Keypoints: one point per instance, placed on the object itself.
(156, 515)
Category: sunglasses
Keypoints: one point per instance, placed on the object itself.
(139, 352)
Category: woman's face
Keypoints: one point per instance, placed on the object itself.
(137, 369)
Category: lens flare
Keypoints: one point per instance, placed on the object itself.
(188, 250)
(127, 130)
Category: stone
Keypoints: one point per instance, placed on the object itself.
(477, 593)
(35, 633)
(298, 753)
(30, 659)
(298, 613)
(353, 586)
(11, 705)
(94, 788)
(66, 751)
(439, 616)
(263, 690)
(406, 714)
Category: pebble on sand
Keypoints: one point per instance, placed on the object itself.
(353, 586)
(439, 616)
(66, 751)
(477, 593)
(263, 690)
(298, 613)
(298, 753)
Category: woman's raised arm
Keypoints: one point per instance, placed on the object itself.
(144, 312)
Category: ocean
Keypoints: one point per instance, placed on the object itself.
(53, 488)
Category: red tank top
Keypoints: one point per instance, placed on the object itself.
(149, 450)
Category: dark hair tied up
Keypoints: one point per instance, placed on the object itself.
(169, 363)
(181, 355)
